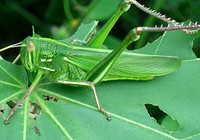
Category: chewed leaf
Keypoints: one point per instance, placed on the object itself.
(13, 83)
(72, 110)
(162, 118)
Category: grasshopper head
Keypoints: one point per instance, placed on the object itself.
(28, 53)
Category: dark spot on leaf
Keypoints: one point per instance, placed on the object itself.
(37, 131)
(35, 110)
(50, 98)
(163, 118)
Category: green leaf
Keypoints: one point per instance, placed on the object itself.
(13, 84)
(173, 43)
(83, 34)
(56, 111)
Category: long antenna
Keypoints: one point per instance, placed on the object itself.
(16, 45)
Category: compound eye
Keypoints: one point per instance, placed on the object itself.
(30, 46)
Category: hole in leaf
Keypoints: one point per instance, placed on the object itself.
(3, 108)
(35, 110)
(11, 104)
(50, 98)
(163, 118)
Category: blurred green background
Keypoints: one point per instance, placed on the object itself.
(60, 18)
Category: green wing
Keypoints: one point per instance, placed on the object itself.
(129, 66)
(142, 67)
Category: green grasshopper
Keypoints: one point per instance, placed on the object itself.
(75, 65)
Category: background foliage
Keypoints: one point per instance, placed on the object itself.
(60, 19)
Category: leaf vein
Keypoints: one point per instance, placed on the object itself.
(114, 115)
(11, 96)
(10, 84)
(53, 116)
(11, 76)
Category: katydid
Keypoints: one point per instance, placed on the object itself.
(86, 66)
